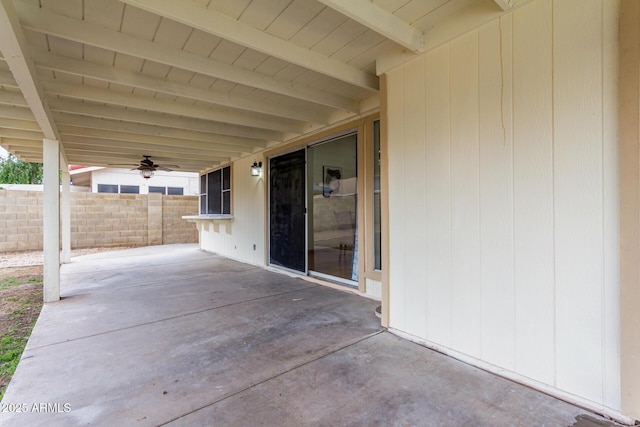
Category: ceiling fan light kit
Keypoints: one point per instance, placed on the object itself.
(146, 173)
(147, 167)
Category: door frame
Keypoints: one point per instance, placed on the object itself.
(306, 213)
(362, 124)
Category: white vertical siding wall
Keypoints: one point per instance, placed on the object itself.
(235, 238)
(503, 204)
(629, 149)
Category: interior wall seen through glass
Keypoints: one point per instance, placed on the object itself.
(333, 193)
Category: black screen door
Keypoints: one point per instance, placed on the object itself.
(287, 203)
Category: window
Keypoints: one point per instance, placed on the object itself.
(107, 188)
(129, 189)
(160, 190)
(377, 210)
(215, 192)
(175, 191)
(203, 194)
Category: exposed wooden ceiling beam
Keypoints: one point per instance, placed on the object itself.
(97, 146)
(221, 25)
(379, 20)
(107, 96)
(152, 131)
(504, 4)
(83, 68)
(9, 123)
(12, 98)
(13, 112)
(6, 79)
(45, 21)
(147, 117)
(107, 160)
(118, 150)
(157, 140)
(21, 134)
(14, 50)
(449, 21)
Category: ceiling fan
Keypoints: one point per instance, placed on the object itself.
(147, 167)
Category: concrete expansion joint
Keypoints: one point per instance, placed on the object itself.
(328, 352)
(179, 316)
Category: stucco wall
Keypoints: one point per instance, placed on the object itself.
(503, 197)
(99, 220)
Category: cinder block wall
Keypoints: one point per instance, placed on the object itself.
(174, 228)
(99, 220)
(20, 220)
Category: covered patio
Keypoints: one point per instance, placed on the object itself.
(173, 335)
(472, 165)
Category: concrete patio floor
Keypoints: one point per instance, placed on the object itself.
(170, 335)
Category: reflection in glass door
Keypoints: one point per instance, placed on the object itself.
(333, 192)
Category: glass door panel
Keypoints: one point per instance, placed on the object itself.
(333, 193)
(287, 225)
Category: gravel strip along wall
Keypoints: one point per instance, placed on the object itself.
(99, 220)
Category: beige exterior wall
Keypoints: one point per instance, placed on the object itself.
(236, 238)
(630, 205)
(503, 198)
(99, 220)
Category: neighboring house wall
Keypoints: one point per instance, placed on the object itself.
(99, 220)
(503, 197)
(186, 180)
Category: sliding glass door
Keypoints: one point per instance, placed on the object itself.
(333, 193)
(313, 216)
(287, 209)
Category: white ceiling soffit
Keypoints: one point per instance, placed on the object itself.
(198, 83)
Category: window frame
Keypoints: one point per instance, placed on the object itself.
(223, 194)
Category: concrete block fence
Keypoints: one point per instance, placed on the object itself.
(99, 220)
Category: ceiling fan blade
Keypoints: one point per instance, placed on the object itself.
(164, 168)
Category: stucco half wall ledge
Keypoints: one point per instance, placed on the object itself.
(203, 222)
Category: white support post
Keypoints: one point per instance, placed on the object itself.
(65, 217)
(51, 219)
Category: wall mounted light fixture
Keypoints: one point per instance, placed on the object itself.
(256, 168)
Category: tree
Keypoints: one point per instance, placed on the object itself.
(14, 171)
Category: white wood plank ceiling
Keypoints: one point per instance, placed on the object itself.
(198, 83)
